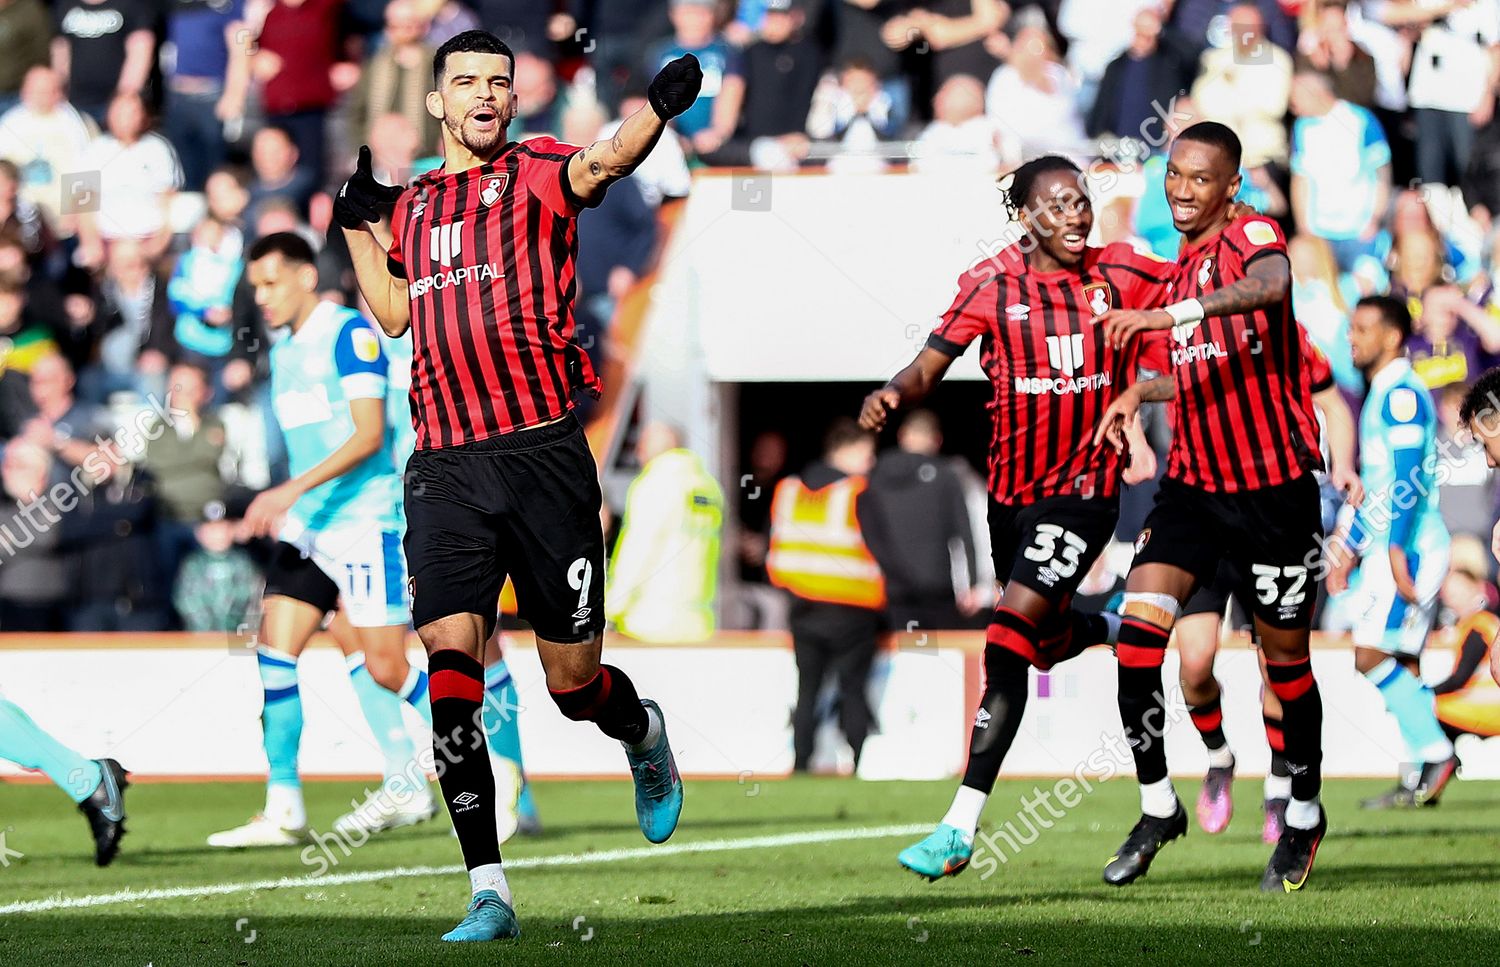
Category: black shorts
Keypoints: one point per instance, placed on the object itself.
(1271, 538)
(1216, 597)
(294, 574)
(524, 504)
(1050, 545)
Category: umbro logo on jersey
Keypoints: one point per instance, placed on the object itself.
(1019, 310)
(464, 801)
(582, 613)
(493, 188)
(1047, 576)
(981, 719)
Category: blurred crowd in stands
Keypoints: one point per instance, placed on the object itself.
(144, 144)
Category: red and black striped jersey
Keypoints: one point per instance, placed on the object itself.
(1243, 413)
(488, 255)
(1052, 371)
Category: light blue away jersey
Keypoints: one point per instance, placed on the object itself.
(1397, 463)
(398, 398)
(335, 357)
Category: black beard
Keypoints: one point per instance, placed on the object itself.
(477, 149)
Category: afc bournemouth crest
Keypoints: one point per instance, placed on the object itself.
(1205, 272)
(493, 187)
(1141, 539)
(1097, 296)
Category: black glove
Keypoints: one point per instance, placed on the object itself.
(363, 199)
(675, 87)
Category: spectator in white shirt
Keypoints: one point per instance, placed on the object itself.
(960, 136)
(138, 173)
(45, 136)
(1033, 97)
(1454, 71)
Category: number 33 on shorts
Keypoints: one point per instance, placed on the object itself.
(1059, 551)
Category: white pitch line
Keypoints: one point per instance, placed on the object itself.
(526, 862)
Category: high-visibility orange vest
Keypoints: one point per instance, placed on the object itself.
(817, 551)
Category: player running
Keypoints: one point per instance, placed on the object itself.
(339, 526)
(1238, 487)
(1399, 540)
(480, 267)
(96, 785)
(1054, 498)
(1199, 631)
(516, 809)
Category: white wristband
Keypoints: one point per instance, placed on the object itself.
(1188, 310)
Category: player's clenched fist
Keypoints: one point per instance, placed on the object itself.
(878, 405)
(363, 199)
(675, 87)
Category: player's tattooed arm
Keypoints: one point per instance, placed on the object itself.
(607, 160)
(1266, 283)
(909, 386)
(672, 91)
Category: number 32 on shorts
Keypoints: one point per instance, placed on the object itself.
(1288, 599)
(1060, 562)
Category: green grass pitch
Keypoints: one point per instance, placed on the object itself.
(1389, 888)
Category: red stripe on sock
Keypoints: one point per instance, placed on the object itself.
(1139, 656)
(601, 681)
(1207, 721)
(452, 684)
(1294, 689)
(1012, 641)
(1274, 738)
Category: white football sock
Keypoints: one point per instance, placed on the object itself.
(1278, 787)
(1303, 814)
(1221, 758)
(1159, 799)
(284, 805)
(653, 732)
(963, 815)
(490, 877)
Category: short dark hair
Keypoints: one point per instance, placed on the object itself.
(1483, 397)
(289, 245)
(469, 42)
(1393, 313)
(841, 433)
(1018, 191)
(1218, 135)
